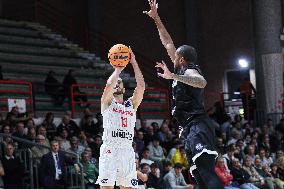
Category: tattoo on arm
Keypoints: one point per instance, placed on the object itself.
(193, 80)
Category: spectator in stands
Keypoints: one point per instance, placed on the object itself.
(31, 134)
(274, 172)
(154, 178)
(52, 168)
(89, 151)
(5, 130)
(14, 170)
(89, 126)
(20, 131)
(99, 123)
(2, 173)
(5, 140)
(142, 177)
(75, 147)
(224, 174)
(264, 160)
(69, 125)
(176, 145)
(14, 116)
(174, 179)
(265, 143)
(59, 140)
(240, 176)
(220, 145)
(162, 134)
(234, 137)
(229, 157)
(144, 126)
(255, 178)
(227, 125)
(260, 170)
(270, 126)
(30, 123)
(165, 136)
(42, 131)
(83, 139)
(39, 151)
(139, 142)
(156, 151)
(65, 143)
(86, 113)
(145, 169)
(149, 135)
(70, 80)
(278, 154)
(146, 157)
(54, 88)
(49, 125)
(280, 169)
(251, 152)
(237, 127)
(180, 157)
(95, 146)
(90, 171)
(167, 167)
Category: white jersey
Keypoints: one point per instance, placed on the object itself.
(119, 123)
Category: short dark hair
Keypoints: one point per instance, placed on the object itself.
(167, 163)
(142, 165)
(178, 166)
(154, 165)
(188, 53)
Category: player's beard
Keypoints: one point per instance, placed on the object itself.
(118, 92)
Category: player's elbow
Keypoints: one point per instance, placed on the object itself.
(204, 83)
(141, 85)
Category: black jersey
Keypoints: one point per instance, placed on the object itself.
(187, 100)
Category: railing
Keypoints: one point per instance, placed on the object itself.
(32, 167)
(16, 89)
(157, 98)
(93, 95)
(238, 99)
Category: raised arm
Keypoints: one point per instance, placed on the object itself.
(140, 88)
(191, 76)
(109, 88)
(163, 33)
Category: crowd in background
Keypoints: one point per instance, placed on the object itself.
(249, 157)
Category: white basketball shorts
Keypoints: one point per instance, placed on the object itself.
(117, 166)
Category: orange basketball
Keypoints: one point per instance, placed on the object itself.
(119, 55)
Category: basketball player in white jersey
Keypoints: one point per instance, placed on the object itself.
(117, 157)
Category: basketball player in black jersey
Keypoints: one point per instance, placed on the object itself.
(188, 108)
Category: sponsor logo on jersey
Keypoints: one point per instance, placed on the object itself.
(104, 181)
(122, 134)
(120, 111)
(127, 104)
(108, 152)
(134, 182)
(199, 146)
